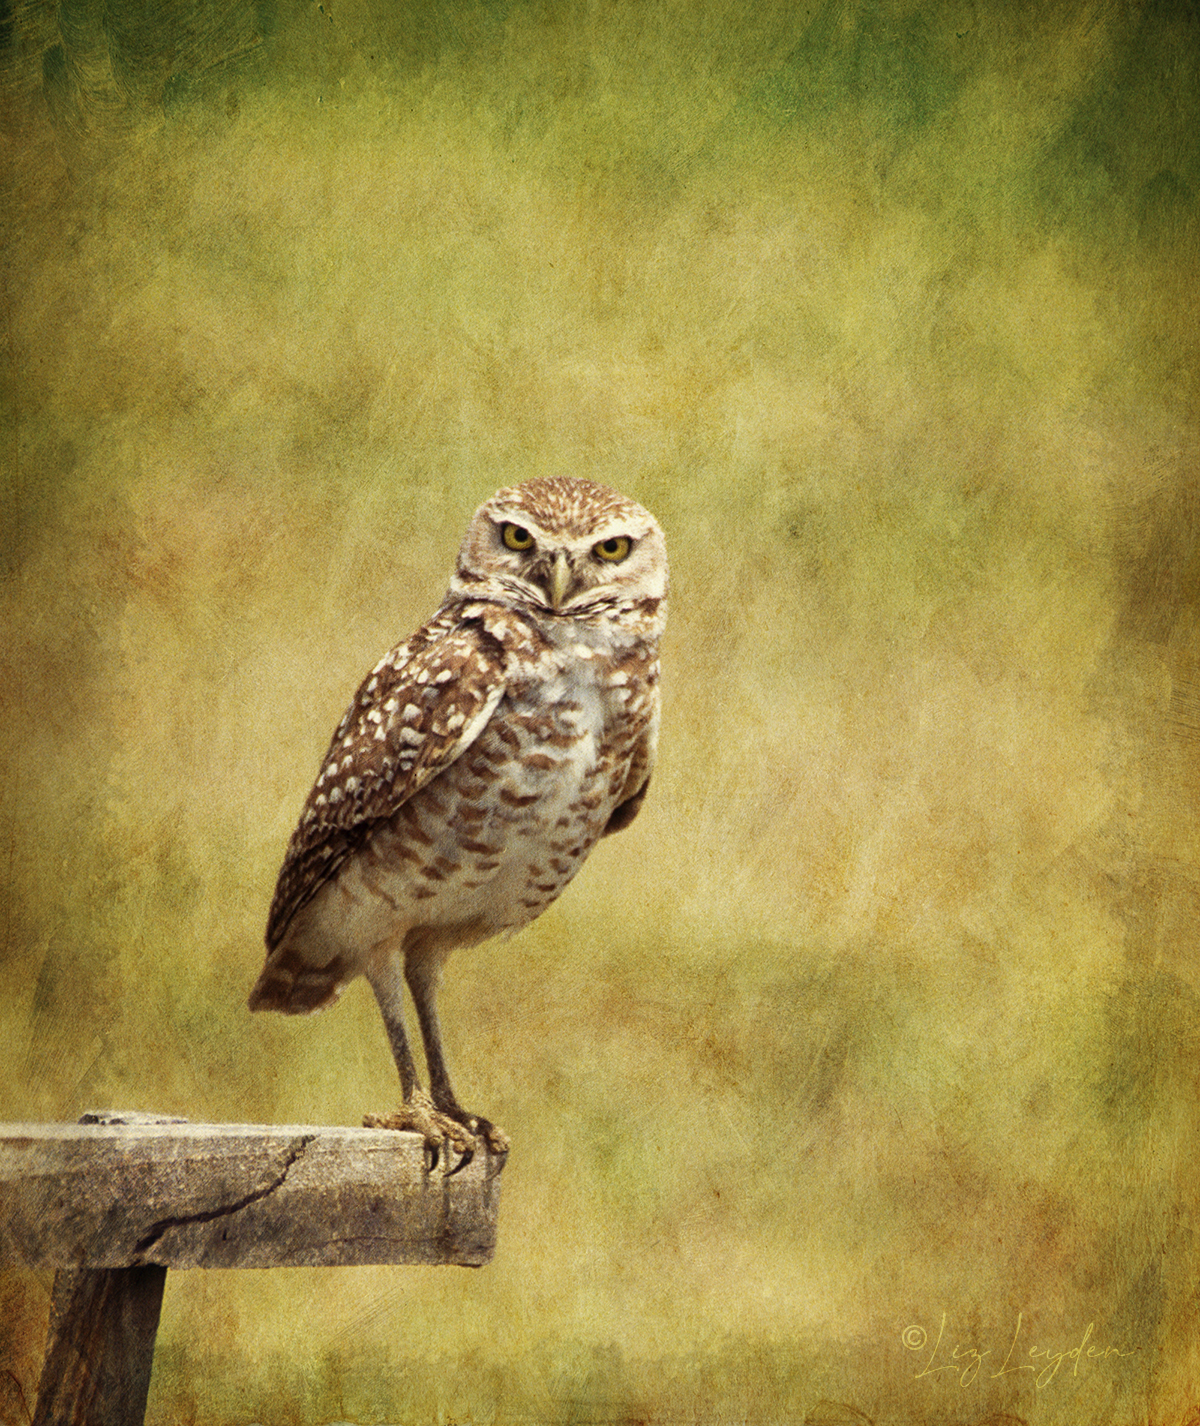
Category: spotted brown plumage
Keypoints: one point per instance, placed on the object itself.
(479, 763)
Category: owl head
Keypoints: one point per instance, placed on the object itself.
(562, 547)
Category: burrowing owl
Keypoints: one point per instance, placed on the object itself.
(479, 763)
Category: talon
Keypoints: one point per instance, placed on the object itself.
(468, 1155)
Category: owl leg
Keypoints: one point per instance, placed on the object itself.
(423, 973)
(418, 1111)
(389, 994)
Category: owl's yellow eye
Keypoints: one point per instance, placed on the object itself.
(517, 537)
(613, 550)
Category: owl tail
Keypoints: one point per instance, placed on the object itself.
(295, 986)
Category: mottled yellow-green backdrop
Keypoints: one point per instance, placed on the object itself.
(867, 1062)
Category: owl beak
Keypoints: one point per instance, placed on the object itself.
(560, 580)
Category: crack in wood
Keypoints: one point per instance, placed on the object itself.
(164, 1225)
(107, 1197)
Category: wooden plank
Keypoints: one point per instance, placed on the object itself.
(100, 1348)
(184, 1195)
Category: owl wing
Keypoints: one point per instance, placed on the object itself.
(637, 782)
(418, 710)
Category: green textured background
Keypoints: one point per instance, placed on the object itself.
(884, 1014)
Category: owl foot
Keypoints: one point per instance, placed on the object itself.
(494, 1140)
(441, 1132)
(494, 1137)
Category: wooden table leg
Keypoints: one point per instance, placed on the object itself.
(100, 1346)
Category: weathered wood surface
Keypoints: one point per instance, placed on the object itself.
(184, 1195)
(100, 1348)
